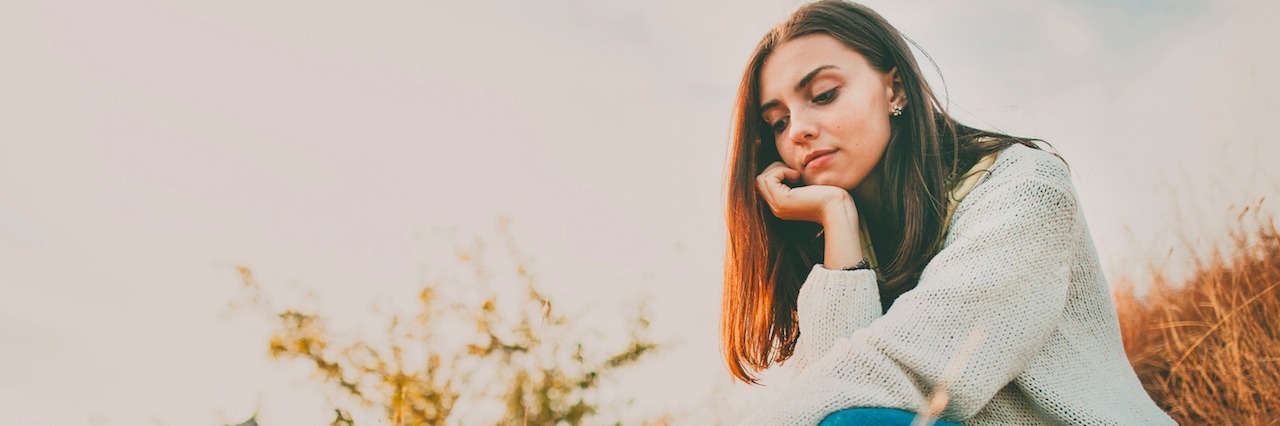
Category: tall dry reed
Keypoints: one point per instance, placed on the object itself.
(1208, 349)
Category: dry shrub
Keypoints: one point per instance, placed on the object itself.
(1208, 350)
(536, 362)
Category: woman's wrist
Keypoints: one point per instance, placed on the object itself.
(839, 212)
(863, 264)
(843, 239)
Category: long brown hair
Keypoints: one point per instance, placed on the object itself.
(767, 259)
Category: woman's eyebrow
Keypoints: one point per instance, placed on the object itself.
(799, 86)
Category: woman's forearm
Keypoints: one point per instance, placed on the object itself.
(843, 239)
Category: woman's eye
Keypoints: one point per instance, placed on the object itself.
(780, 125)
(825, 97)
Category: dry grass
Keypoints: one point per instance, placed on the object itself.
(1208, 350)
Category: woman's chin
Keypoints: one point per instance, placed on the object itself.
(822, 180)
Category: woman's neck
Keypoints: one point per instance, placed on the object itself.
(867, 197)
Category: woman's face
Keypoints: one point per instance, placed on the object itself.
(828, 109)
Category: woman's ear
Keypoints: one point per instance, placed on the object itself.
(893, 88)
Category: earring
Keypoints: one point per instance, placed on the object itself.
(897, 110)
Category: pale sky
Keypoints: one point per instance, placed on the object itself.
(147, 147)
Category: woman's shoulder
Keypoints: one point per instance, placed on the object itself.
(1019, 162)
(1024, 182)
(1021, 178)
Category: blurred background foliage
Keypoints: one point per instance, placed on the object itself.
(528, 363)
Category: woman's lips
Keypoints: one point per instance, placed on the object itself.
(819, 160)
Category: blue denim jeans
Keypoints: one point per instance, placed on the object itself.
(874, 416)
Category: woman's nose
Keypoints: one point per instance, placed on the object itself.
(803, 129)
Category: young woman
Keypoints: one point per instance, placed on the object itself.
(904, 263)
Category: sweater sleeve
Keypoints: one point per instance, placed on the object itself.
(831, 305)
(1006, 271)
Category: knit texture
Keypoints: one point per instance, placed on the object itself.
(1017, 264)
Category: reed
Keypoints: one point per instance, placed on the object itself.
(1208, 349)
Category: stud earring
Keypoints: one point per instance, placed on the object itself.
(897, 110)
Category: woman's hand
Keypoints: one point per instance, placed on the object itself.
(830, 206)
(813, 203)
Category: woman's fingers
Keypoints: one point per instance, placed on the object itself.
(779, 172)
(806, 202)
(790, 174)
(771, 186)
(769, 180)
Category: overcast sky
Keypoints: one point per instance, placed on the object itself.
(148, 147)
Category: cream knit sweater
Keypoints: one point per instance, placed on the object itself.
(1019, 266)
